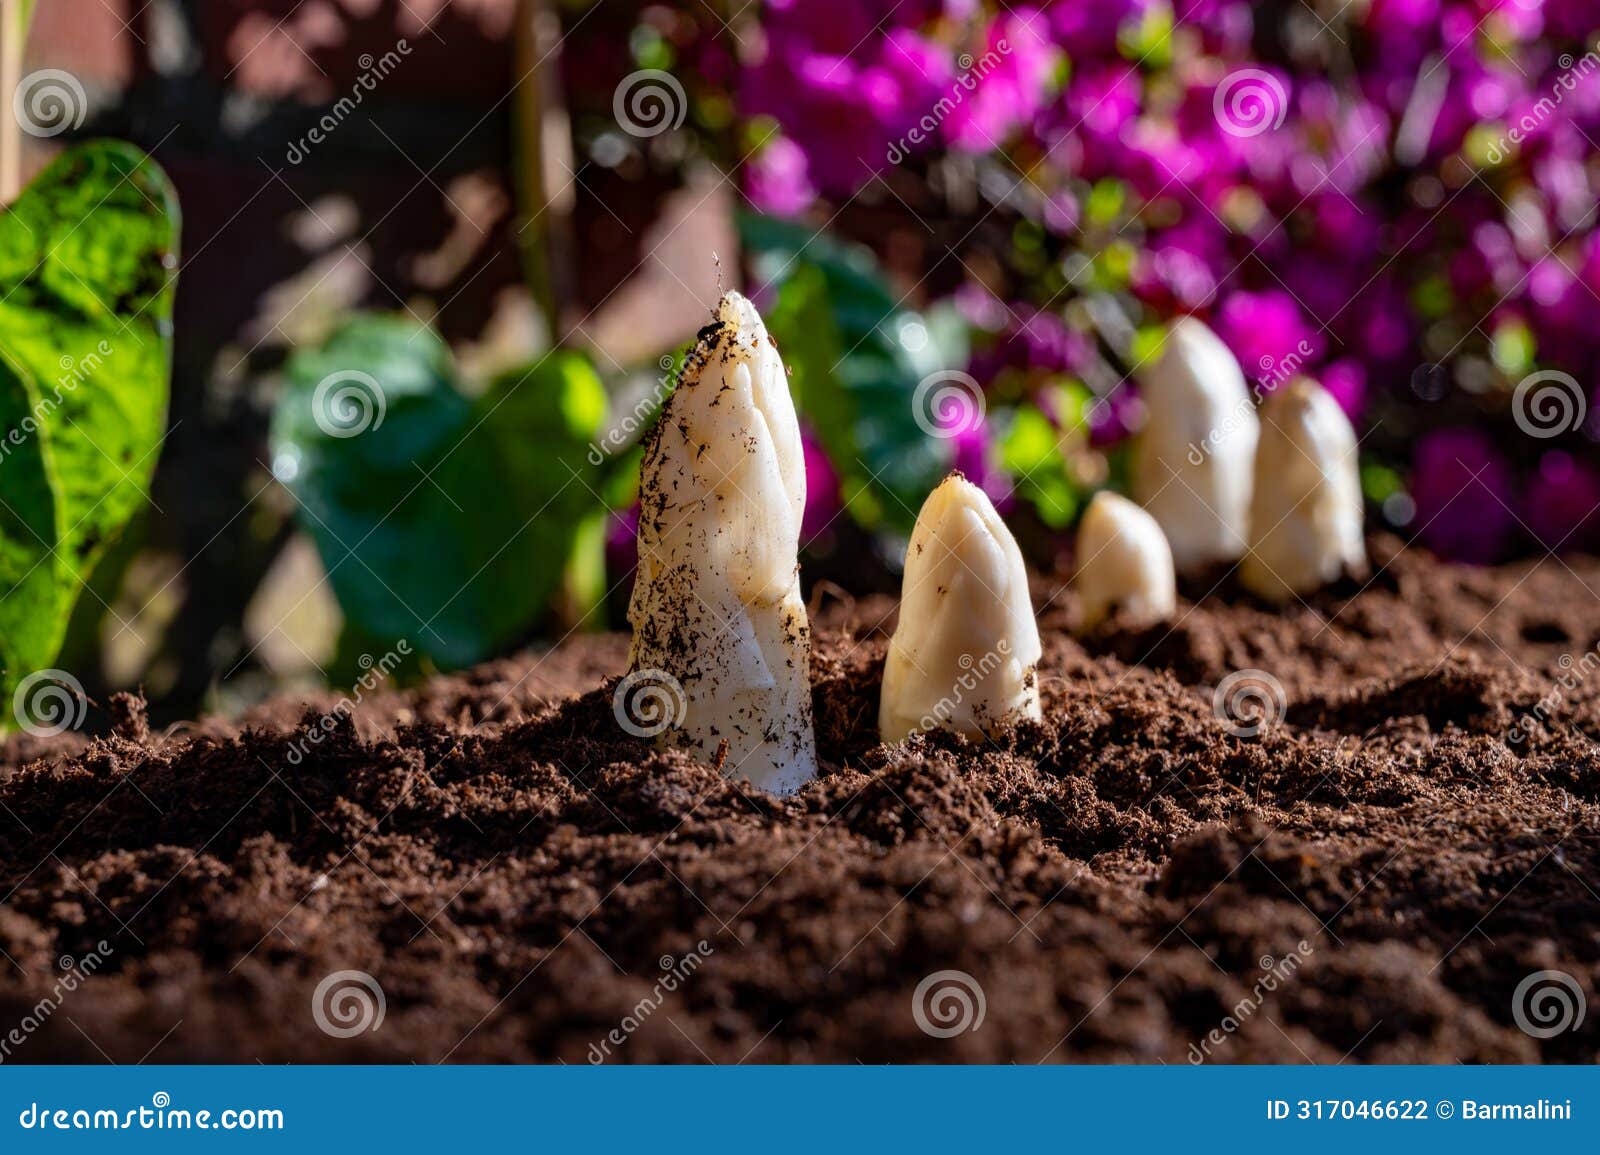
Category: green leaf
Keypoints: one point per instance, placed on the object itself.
(1379, 482)
(1149, 342)
(1034, 451)
(442, 521)
(856, 358)
(1148, 41)
(1513, 347)
(31, 621)
(808, 338)
(1030, 443)
(1106, 201)
(87, 260)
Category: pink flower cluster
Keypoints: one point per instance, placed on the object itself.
(1401, 201)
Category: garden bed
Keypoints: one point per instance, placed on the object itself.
(513, 870)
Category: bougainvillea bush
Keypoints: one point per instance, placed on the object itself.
(1397, 196)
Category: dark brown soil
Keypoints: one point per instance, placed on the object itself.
(512, 868)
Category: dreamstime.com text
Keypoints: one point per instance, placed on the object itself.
(159, 1115)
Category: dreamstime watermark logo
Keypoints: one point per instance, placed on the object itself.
(348, 403)
(649, 702)
(373, 69)
(1222, 433)
(49, 702)
(676, 972)
(74, 972)
(973, 72)
(1574, 672)
(160, 1115)
(49, 102)
(1249, 102)
(348, 1003)
(974, 673)
(374, 672)
(1277, 973)
(625, 432)
(1248, 702)
(1548, 403)
(649, 102)
(1274, 373)
(74, 372)
(1548, 1003)
(1572, 71)
(948, 1003)
(947, 404)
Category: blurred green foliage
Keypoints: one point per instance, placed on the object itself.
(88, 256)
(1034, 450)
(856, 357)
(444, 520)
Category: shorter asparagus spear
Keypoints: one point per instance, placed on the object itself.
(1124, 564)
(964, 655)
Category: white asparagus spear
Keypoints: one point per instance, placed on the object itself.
(964, 655)
(1124, 564)
(1306, 516)
(716, 602)
(1192, 461)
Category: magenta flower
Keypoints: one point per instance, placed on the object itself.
(1347, 381)
(1104, 97)
(851, 111)
(1002, 89)
(1061, 213)
(1336, 223)
(622, 544)
(1383, 332)
(975, 459)
(1034, 340)
(1180, 270)
(1403, 20)
(1269, 334)
(981, 308)
(777, 180)
(1113, 417)
(1464, 493)
(823, 501)
(1562, 504)
(1089, 30)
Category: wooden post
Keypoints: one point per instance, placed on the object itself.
(14, 17)
(543, 160)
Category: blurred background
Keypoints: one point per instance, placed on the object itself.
(439, 260)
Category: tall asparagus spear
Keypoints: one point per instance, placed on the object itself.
(716, 603)
(1306, 517)
(1192, 460)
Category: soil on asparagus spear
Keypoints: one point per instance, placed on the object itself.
(513, 869)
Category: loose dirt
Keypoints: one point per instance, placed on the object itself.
(1139, 878)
